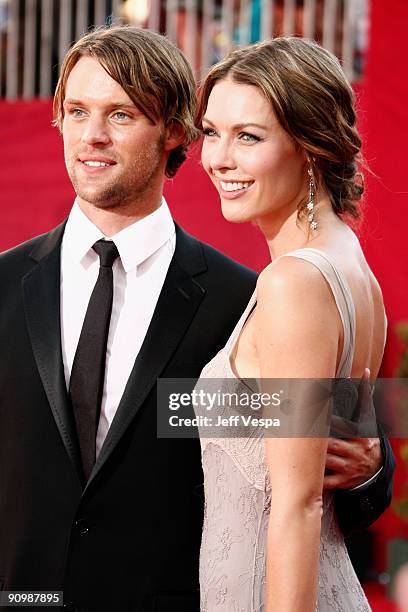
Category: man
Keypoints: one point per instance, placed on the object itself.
(91, 502)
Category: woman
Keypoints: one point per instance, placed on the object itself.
(280, 145)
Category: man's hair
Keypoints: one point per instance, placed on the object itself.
(150, 69)
(313, 102)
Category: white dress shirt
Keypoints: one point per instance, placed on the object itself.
(145, 252)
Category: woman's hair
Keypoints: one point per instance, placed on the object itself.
(313, 102)
(151, 70)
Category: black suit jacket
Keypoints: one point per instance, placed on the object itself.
(129, 539)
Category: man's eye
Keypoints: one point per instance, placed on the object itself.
(246, 137)
(121, 116)
(209, 132)
(77, 112)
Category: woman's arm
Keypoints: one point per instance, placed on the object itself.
(297, 331)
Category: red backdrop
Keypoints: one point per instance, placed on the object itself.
(384, 125)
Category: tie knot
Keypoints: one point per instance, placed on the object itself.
(107, 252)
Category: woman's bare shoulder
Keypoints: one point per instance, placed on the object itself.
(292, 278)
(296, 323)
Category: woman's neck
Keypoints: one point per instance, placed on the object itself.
(291, 233)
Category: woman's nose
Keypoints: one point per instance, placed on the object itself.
(222, 155)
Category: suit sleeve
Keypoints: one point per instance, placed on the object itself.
(359, 508)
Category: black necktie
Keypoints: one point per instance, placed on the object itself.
(88, 369)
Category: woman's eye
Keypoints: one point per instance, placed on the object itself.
(208, 131)
(77, 112)
(246, 137)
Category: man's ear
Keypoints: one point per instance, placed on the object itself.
(174, 136)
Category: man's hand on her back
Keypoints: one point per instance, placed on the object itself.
(353, 462)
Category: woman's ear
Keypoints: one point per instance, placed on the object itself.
(174, 136)
(302, 151)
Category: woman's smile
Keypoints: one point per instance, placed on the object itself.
(232, 189)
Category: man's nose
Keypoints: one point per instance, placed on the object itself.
(96, 131)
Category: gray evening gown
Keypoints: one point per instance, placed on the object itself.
(238, 494)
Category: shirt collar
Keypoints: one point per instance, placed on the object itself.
(135, 243)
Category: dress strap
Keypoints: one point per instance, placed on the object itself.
(343, 298)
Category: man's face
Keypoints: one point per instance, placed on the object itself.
(113, 154)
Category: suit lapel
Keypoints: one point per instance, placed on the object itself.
(41, 296)
(178, 302)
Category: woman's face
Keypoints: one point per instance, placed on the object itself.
(259, 172)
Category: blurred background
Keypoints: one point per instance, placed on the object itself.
(369, 37)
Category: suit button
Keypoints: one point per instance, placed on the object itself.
(82, 526)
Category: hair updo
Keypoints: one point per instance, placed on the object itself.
(313, 102)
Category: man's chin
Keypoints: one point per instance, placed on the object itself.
(99, 199)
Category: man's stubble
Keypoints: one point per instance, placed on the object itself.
(133, 185)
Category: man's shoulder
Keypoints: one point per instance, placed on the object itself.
(215, 263)
(19, 256)
(23, 249)
(218, 258)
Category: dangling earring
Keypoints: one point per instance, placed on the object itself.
(311, 202)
